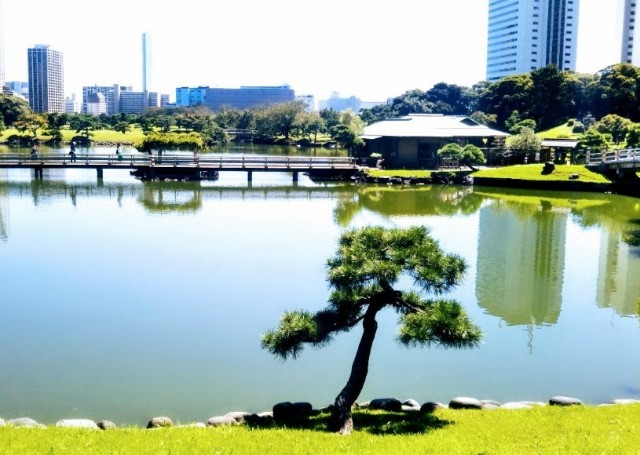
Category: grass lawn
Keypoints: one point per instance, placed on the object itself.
(134, 136)
(544, 430)
(559, 132)
(533, 172)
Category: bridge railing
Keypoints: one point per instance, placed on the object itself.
(219, 161)
(614, 156)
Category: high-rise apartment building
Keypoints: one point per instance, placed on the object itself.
(524, 35)
(2, 71)
(629, 52)
(46, 79)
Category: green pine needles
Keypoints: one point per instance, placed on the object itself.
(362, 274)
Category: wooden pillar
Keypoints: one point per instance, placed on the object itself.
(100, 172)
(295, 177)
(250, 176)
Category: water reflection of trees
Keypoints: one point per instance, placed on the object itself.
(163, 197)
(406, 201)
(521, 238)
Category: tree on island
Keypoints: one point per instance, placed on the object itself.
(468, 156)
(363, 275)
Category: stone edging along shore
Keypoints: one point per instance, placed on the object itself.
(287, 411)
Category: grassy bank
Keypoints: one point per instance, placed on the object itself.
(135, 136)
(545, 430)
(533, 172)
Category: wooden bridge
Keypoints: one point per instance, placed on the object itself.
(620, 161)
(191, 167)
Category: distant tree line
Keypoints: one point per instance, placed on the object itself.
(277, 123)
(604, 108)
(543, 98)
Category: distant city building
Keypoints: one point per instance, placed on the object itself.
(46, 79)
(2, 69)
(71, 105)
(120, 98)
(19, 88)
(186, 96)
(338, 104)
(524, 35)
(164, 100)
(138, 102)
(146, 61)
(96, 104)
(309, 100)
(247, 97)
(110, 95)
(630, 35)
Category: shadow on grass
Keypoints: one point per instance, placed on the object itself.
(373, 422)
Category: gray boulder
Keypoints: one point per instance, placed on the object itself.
(218, 421)
(564, 401)
(193, 425)
(410, 405)
(285, 411)
(490, 404)
(238, 416)
(465, 403)
(160, 422)
(25, 422)
(262, 420)
(106, 425)
(386, 404)
(77, 423)
(431, 406)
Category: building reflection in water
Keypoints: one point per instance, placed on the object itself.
(4, 213)
(618, 274)
(521, 258)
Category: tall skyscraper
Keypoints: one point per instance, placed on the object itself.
(2, 73)
(146, 61)
(524, 35)
(46, 79)
(630, 35)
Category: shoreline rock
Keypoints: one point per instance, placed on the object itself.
(286, 411)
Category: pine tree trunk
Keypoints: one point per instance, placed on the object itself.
(342, 418)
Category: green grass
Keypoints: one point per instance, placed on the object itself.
(545, 430)
(136, 135)
(533, 172)
(559, 132)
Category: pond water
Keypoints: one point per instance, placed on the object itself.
(124, 300)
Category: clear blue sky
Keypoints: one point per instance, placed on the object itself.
(372, 50)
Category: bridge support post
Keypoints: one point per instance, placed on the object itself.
(38, 172)
(295, 177)
(100, 172)
(250, 176)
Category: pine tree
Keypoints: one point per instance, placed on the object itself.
(362, 274)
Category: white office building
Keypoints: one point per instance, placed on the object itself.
(524, 35)
(629, 52)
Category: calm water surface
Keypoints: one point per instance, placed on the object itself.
(125, 300)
